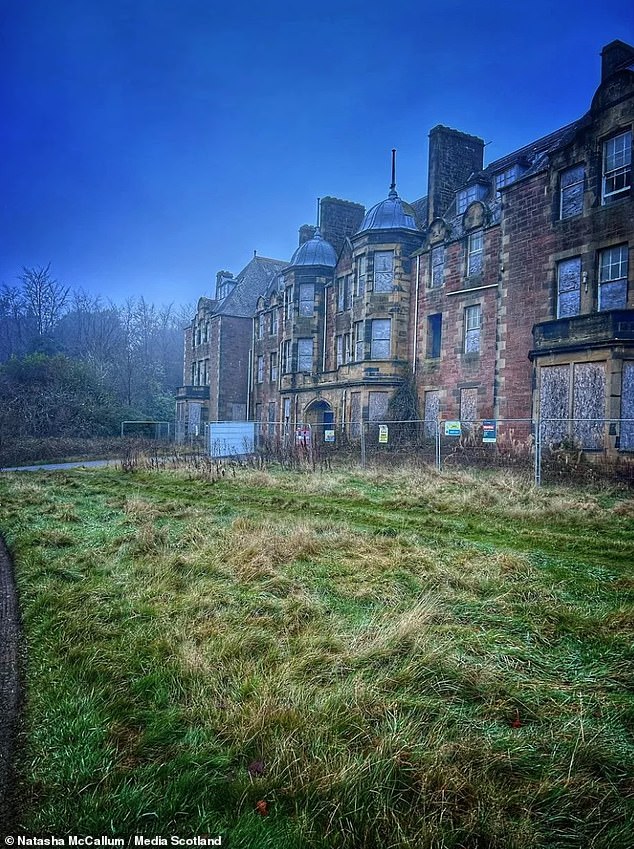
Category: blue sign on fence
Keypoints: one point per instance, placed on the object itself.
(489, 431)
(453, 429)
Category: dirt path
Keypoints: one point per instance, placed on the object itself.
(9, 682)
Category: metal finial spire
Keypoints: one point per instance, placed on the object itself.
(392, 193)
(317, 230)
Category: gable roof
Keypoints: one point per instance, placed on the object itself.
(251, 282)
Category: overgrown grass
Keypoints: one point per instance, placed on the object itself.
(386, 659)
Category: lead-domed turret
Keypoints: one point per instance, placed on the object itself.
(393, 213)
(316, 251)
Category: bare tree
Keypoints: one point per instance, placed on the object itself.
(45, 297)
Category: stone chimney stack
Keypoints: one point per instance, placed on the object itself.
(453, 157)
(339, 219)
(306, 233)
(614, 56)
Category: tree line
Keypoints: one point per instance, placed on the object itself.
(74, 364)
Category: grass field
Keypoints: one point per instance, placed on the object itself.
(329, 660)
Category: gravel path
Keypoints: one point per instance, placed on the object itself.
(9, 681)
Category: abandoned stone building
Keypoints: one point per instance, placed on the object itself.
(506, 291)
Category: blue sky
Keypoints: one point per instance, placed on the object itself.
(148, 144)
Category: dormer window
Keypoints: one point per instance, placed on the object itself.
(506, 177)
(468, 195)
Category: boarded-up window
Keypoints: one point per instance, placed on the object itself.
(437, 274)
(305, 354)
(380, 346)
(472, 325)
(194, 419)
(571, 191)
(627, 407)
(475, 252)
(432, 410)
(468, 405)
(568, 287)
(307, 299)
(355, 415)
(358, 340)
(286, 357)
(553, 402)
(238, 412)
(377, 406)
(383, 271)
(577, 413)
(272, 415)
(339, 350)
(588, 404)
(359, 276)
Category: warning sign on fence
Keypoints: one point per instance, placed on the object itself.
(329, 436)
(489, 431)
(302, 436)
(383, 433)
(453, 429)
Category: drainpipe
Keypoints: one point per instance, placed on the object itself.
(323, 355)
(250, 370)
(416, 315)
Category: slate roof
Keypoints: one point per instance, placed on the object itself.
(533, 157)
(251, 282)
(532, 153)
(315, 251)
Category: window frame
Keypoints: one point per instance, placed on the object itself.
(288, 302)
(560, 266)
(564, 189)
(360, 275)
(434, 266)
(359, 341)
(465, 197)
(613, 173)
(387, 284)
(304, 310)
(376, 340)
(475, 329)
(260, 369)
(286, 356)
(623, 278)
(433, 346)
(273, 368)
(471, 253)
(302, 355)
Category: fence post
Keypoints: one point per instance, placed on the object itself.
(538, 452)
(362, 443)
(438, 423)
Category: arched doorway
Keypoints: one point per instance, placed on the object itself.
(319, 415)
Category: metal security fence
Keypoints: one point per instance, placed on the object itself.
(584, 451)
(487, 444)
(543, 451)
